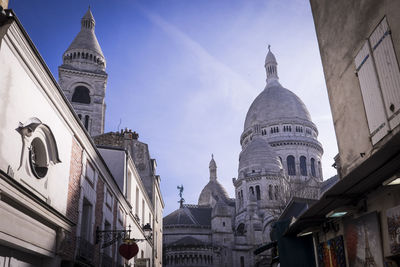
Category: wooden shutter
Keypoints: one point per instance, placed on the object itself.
(372, 98)
(388, 71)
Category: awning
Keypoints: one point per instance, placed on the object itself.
(265, 247)
(366, 177)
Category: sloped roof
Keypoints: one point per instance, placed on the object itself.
(189, 215)
(188, 241)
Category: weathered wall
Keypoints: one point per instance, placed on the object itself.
(342, 27)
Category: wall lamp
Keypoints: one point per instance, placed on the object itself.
(394, 180)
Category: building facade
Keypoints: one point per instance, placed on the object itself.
(280, 159)
(59, 192)
(360, 213)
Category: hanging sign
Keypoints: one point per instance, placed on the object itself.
(128, 251)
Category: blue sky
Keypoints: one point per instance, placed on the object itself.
(184, 73)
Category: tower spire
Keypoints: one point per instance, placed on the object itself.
(213, 169)
(271, 66)
(88, 21)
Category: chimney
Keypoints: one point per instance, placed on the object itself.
(4, 4)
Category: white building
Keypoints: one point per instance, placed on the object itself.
(280, 159)
(57, 192)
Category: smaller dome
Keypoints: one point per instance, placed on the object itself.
(258, 156)
(220, 209)
(213, 191)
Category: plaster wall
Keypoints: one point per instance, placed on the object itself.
(22, 96)
(115, 160)
(340, 38)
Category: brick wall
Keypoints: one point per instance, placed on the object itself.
(98, 217)
(115, 214)
(73, 196)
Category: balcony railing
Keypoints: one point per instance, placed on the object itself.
(85, 250)
(106, 261)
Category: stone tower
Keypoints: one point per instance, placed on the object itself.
(82, 77)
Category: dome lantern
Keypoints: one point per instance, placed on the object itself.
(271, 66)
(213, 168)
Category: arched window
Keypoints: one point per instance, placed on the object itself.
(276, 192)
(291, 165)
(258, 192)
(270, 192)
(81, 95)
(319, 169)
(313, 168)
(251, 190)
(303, 166)
(87, 122)
(80, 116)
(240, 229)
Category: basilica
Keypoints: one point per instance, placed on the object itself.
(280, 160)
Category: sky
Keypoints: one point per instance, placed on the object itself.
(184, 73)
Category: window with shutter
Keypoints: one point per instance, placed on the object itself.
(379, 77)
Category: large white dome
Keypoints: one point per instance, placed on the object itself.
(275, 104)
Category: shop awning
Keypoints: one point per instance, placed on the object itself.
(368, 176)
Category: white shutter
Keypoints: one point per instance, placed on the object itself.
(388, 71)
(371, 94)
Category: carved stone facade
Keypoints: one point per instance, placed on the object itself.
(280, 159)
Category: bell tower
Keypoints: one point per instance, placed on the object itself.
(83, 78)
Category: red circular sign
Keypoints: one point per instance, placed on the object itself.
(128, 251)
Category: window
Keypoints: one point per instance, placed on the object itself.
(313, 168)
(81, 95)
(270, 192)
(87, 122)
(251, 190)
(150, 220)
(137, 201)
(240, 229)
(258, 193)
(379, 76)
(223, 224)
(299, 129)
(121, 215)
(143, 212)
(38, 158)
(241, 261)
(109, 199)
(303, 166)
(86, 220)
(287, 128)
(90, 173)
(129, 188)
(276, 192)
(80, 116)
(319, 169)
(291, 165)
